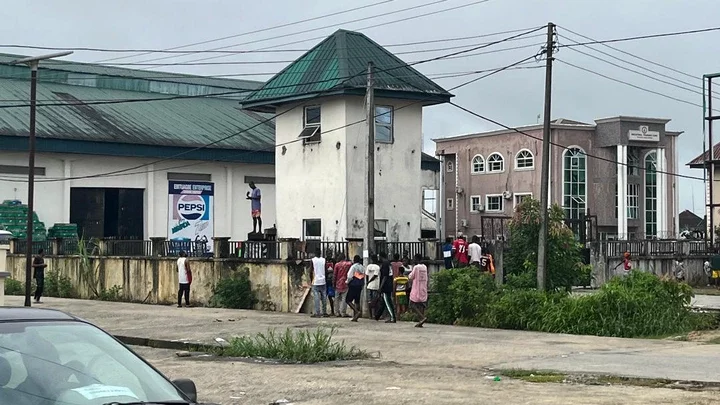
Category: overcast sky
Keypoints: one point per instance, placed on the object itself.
(512, 97)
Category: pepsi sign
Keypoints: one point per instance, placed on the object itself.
(191, 207)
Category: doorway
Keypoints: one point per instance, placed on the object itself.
(114, 213)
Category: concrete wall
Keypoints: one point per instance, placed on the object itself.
(279, 286)
(604, 267)
(52, 199)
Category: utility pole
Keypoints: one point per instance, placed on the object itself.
(544, 184)
(33, 63)
(370, 106)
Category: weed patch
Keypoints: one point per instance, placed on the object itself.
(14, 287)
(234, 292)
(534, 376)
(57, 285)
(302, 346)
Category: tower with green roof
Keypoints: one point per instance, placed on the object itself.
(321, 140)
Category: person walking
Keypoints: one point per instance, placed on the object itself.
(255, 206)
(401, 287)
(418, 293)
(355, 282)
(460, 251)
(39, 266)
(447, 253)
(340, 273)
(184, 279)
(319, 286)
(475, 252)
(373, 285)
(330, 283)
(386, 290)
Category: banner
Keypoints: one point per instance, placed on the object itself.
(191, 214)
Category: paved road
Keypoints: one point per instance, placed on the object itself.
(434, 345)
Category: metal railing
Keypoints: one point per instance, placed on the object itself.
(404, 249)
(331, 249)
(127, 247)
(641, 248)
(191, 248)
(255, 249)
(20, 247)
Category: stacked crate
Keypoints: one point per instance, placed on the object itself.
(13, 218)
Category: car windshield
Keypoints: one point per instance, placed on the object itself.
(73, 363)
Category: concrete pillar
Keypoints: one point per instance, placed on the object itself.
(622, 222)
(355, 247)
(221, 247)
(229, 200)
(662, 194)
(54, 246)
(431, 248)
(287, 248)
(3, 272)
(158, 245)
(498, 261)
(150, 195)
(12, 246)
(67, 171)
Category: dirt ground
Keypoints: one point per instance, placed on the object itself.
(229, 382)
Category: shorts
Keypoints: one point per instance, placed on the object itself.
(419, 305)
(402, 300)
(353, 295)
(372, 295)
(716, 274)
(330, 292)
(255, 213)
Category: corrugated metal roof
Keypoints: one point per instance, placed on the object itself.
(328, 65)
(178, 122)
(699, 161)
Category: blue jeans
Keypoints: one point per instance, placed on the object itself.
(320, 294)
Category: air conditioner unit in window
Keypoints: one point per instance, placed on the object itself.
(464, 223)
(480, 208)
(458, 190)
(507, 195)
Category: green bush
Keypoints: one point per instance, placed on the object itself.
(114, 293)
(14, 287)
(57, 285)
(234, 292)
(640, 304)
(564, 258)
(301, 346)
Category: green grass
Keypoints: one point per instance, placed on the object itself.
(301, 346)
(534, 376)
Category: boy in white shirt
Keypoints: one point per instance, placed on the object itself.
(319, 285)
(184, 279)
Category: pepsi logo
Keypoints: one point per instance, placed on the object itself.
(191, 207)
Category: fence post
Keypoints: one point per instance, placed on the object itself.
(287, 248)
(3, 272)
(430, 248)
(221, 247)
(499, 249)
(355, 247)
(13, 245)
(158, 245)
(54, 246)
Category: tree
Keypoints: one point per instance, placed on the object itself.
(564, 258)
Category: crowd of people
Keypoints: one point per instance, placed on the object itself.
(458, 253)
(393, 286)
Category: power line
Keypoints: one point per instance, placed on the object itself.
(179, 97)
(339, 24)
(565, 147)
(667, 34)
(418, 6)
(256, 31)
(631, 85)
(495, 71)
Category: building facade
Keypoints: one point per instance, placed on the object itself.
(321, 141)
(613, 171)
(110, 167)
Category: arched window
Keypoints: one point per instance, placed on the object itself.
(651, 195)
(495, 163)
(524, 160)
(478, 164)
(574, 182)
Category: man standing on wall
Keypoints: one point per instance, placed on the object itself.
(254, 196)
(39, 274)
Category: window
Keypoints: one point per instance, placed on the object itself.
(381, 229)
(478, 164)
(450, 204)
(633, 162)
(650, 195)
(495, 163)
(524, 160)
(494, 203)
(383, 124)
(312, 229)
(311, 124)
(520, 197)
(430, 201)
(574, 183)
(633, 201)
(450, 166)
(475, 204)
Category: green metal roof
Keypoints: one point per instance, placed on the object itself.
(144, 127)
(325, 69)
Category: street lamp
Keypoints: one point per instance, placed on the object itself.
(33, 63)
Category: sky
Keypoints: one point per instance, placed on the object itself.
(513, 97)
